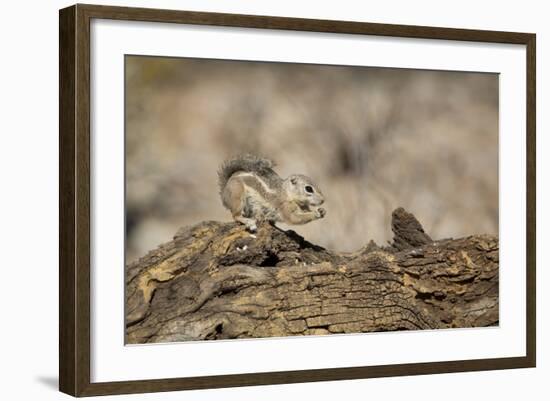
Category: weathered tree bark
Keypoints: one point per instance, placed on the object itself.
(215, 280)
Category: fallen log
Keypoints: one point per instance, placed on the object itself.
(217, 281)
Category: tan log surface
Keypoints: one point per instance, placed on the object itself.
(216, 281)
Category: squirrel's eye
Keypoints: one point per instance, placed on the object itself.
(309, 189)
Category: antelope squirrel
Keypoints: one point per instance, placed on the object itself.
(253, 192)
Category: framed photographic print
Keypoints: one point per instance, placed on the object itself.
(250, 200)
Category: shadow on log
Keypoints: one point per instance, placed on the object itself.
(216, 281)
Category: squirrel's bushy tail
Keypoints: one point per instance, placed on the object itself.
(249, 163)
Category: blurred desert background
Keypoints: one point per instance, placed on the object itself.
(372, 138)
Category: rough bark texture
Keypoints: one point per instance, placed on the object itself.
(216, 281)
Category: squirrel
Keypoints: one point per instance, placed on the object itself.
(252, 191)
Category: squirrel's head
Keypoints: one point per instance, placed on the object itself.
(303, 190)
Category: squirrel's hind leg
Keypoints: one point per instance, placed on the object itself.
(246, 216)
(236, 199)
(248, 222)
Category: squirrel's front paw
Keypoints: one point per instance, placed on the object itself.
(320, 213)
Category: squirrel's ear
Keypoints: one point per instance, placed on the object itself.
(293, 180)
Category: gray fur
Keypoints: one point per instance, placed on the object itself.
(253, 192)
(246, 163)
